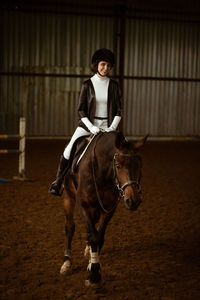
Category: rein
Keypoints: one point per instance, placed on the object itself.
(95, 183)
(120, 188)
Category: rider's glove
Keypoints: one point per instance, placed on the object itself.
(114, 124)
(94, 130)
(109, 129)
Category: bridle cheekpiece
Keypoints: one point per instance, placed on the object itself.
(134, 182)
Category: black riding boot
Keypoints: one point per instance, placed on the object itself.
(62, 170)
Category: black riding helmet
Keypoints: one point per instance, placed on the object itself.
(102, 55)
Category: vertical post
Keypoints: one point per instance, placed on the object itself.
(121, 13)
(122, 47)
(22, 145)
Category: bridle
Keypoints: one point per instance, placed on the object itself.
(121, 189)
(134, 182)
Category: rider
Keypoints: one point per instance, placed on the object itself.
(100, 107)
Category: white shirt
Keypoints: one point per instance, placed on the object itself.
(101, 92)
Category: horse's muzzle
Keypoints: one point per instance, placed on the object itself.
(132, 204)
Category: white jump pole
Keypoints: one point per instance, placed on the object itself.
(22, 145)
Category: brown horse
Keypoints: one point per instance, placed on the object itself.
(109, 170)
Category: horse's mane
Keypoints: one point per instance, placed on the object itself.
(121, 142)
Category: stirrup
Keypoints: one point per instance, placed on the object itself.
(55, 191)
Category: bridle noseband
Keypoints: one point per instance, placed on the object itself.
(134, 182)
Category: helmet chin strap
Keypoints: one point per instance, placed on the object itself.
(102, 75)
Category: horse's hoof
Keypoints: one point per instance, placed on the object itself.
(66, 268)
(94, 275)
(90, 284)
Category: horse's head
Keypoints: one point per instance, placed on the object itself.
(127, 165)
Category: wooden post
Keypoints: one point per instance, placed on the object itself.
(22, 145)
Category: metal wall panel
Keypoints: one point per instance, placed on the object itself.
(161, 55)
(50, 42)
(162, 108)
(158, 54)
(162, 49)
(47, 44)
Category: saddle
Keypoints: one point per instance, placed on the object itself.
(78, 150)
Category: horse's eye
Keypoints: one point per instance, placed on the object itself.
(118, 166)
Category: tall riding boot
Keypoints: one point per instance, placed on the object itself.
(62, 170)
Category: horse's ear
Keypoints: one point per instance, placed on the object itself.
(119, 140)
(137, 145)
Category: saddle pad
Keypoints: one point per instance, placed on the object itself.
(78, 148)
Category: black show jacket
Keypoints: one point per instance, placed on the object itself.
(87, 102)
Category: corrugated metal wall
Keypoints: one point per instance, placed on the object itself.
(164, 100)
(158, 56)
(47, 44)
(162, 108)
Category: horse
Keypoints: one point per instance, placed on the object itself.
(109, 171)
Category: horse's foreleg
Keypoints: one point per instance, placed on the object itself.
(69, 204)
(95, 241)
(102, 225)
(101, 228)
(93, 268)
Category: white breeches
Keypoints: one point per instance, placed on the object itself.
(78, 133)
(82, 132)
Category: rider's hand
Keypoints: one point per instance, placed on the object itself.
(94, 130)
(114, 124)
(110, 129)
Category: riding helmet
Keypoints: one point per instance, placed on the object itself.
(102, 54)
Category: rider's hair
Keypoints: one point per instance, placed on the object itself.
(102, 54)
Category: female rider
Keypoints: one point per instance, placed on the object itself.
(100, 107)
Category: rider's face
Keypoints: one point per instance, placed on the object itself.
(104, 68)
